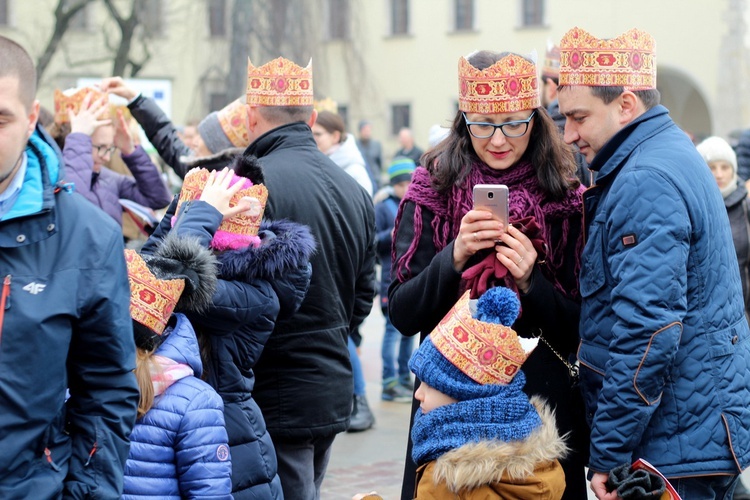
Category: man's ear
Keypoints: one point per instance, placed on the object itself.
(252, 118)
(313, 118)
(630, 107)
(33, 118)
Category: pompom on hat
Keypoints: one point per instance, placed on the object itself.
(470, 356)
(628, 60)
(181, 274)
(279, 83)
(241, 230)
(509, 85)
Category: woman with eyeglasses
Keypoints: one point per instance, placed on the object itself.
(442, 246)
(89, 140)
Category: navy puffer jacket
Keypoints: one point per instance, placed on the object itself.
(256, 287)
(179, 448)
(665, 346)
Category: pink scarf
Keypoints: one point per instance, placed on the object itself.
(165, 372)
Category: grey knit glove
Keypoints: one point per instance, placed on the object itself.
(636, 484)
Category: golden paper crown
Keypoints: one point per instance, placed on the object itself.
(507, 86)
(488, 353)
(551, 67)
(279, 83)
(628, 60)
(233, 121)
(72, 102)
(152, 300)
(326, 104)
(242, 225)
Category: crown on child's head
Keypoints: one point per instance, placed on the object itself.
(628, 60)
(241, 230)
(507, 86)
(233, 121)
(551, 66)
(326, 104)
(279, 83)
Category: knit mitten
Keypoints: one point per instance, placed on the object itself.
(637, 484)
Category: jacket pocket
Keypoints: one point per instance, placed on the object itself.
(593, 276)
(650, 376)
(591, 359)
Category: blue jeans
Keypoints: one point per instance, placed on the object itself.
(359, 376)
(388, 352)
(706, 487)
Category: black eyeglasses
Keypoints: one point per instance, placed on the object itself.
(484, 130)
(103, 149)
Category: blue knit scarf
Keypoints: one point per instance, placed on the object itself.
(506, 416)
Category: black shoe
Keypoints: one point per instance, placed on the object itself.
(396, 392)
(362, 418)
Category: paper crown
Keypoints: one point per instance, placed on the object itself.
(233, 121)
(326, 104)
(507, 86)
(242, 229)
(488, 353)
(72, 99)
(279, 83)
(628, 60)
(152, 300)
(551, 67)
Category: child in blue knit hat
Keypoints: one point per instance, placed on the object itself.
(476, 434)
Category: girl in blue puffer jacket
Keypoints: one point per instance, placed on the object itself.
(179, 446)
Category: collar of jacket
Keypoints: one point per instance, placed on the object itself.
(475, 464)
(32, 217)
(291, 135)
(621, 145)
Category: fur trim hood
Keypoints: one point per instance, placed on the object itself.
(285, 246)
(226, 155)
(247, 166)
(477, 464)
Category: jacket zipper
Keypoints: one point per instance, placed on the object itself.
(3, 301)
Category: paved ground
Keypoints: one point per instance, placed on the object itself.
(374, 459)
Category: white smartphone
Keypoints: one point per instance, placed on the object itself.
(494, 199)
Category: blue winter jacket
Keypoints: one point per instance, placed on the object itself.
(66, 325)
(664, 354)
(256, 286)
(179, 448)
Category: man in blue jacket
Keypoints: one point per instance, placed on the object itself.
(64, 316)
(664, 355)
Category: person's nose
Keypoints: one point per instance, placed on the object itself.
(419, 394)
(570, 134)
(498, 138)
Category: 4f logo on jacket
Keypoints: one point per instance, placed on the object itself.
(34, 288)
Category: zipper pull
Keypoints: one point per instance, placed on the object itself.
(91, 454)
(52, 464)
(3, 301)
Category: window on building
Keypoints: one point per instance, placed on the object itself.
(532, 12)
(399, 17)
(343, 112)
(338, 19)
(152, 17)
(217, 18)
(4, 13)
(464, 15)
(80, 21)
(217, 100)
(400, 117)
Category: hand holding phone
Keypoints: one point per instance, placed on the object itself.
(493, 198)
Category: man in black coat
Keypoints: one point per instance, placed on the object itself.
(304, 378)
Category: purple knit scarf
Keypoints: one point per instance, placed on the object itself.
(526, 198)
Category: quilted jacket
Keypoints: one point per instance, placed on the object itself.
(664, 354)
(179, 448)
(256, 287)
(145, 187)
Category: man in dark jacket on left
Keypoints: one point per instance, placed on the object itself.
(64, 316)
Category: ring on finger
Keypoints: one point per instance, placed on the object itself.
(476, 236)
(520, 260)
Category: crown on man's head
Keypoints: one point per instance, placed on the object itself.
(241, 230)
(551, 66)
(507, 86)
(72, 99)
(279, 83)
(233, 121)
(628, 60)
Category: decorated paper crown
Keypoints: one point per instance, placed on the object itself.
(152, 300)
(551, 67)
(628, 60)
(487, 352)
(233, 121)
(241, 230)
(72, 99)
(279, 83)
(507, 86)
(326, 104)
